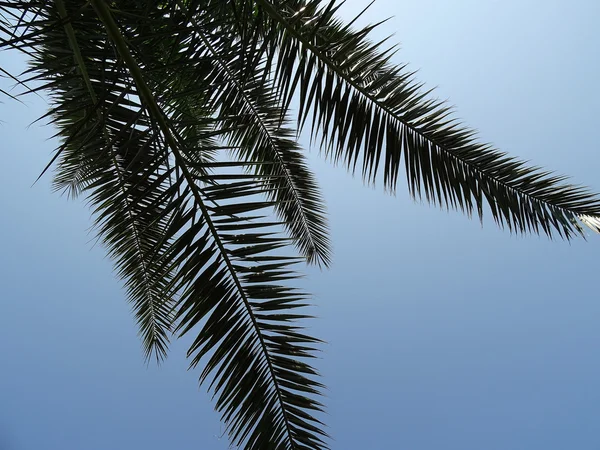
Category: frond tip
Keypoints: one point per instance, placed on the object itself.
(592, 222)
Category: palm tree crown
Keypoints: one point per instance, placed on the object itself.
(178, 120)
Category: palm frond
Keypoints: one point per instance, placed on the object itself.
(254, 352)
(178, 216)
(261, 387)
(250, 109)
(367, 110)
(105, 153)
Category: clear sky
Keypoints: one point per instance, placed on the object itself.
(441, 334)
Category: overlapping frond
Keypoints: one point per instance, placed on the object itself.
(107, 150)
(190, 229)
(371, 112)
(252, 112)
(247, 105)
(264, 389)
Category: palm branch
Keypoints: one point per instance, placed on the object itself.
(175, 122)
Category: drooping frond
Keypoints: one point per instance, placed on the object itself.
(368, 111)
(261, 387)
(252, 112)
(248, 107)
(189, 228)
(107, 152)
(254, 351)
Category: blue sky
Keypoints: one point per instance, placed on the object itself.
(441, 334)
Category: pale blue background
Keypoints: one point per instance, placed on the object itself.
(442, 335)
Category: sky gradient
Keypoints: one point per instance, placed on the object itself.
(442, 334)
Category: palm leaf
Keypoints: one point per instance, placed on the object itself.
(178, 216)
(369, 111)
(105, 153)
(251, 110)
